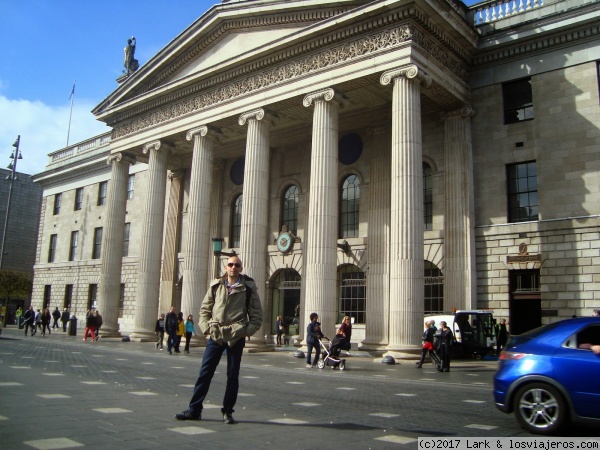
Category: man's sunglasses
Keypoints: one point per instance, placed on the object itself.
(238, 265)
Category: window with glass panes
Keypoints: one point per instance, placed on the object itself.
(522, 192)
(78, 199)
(352, 294)
(47, 296)
(427, 197)
(97, 250)
(68, 296)
(57, 203)
(130, 186)
(102, 189)
(349, 207)
(434, 289)
(518, 101)
(52, 247)
(74, 242)
(236, 222)
(289, 209)
(92, 296)
(126, 239)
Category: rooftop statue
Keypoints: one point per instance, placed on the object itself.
(131, 64)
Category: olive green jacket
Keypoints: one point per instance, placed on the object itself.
(224, 317)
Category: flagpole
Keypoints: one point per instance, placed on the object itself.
(71, 113)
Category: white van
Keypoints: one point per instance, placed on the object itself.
(473, 331)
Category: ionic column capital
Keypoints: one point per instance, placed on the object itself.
(121, 156)
(155, 145)
(464, 112)
(410, 71)
(325, 95)
(258, 114)
(204, 131)
(174, 174)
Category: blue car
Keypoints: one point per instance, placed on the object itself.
(551, 376)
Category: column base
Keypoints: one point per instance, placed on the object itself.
(255, 346)
(143, 336)
(110, 333)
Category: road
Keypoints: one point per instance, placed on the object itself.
(59, 392)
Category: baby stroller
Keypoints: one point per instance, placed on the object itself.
(330, 354)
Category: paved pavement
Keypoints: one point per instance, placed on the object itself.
(59, 392)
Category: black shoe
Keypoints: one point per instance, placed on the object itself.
(188, 415)
(418, 366)
(177, 351)
(228, 419)
(446, 370)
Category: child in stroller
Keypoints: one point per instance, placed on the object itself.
(330, 354)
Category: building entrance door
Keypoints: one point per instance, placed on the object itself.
(286, 301)
(525, 301)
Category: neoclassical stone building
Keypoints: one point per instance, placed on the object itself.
(379, 159)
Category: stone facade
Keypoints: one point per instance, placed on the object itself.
(340, 105)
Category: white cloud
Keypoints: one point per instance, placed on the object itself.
(43, 130)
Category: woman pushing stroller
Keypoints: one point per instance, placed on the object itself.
(341, 341)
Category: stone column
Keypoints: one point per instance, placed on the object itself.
(112, 244)
(378, 293)
(168, 288)
(322, 221)
(196, 264)
(255, 217)
(406, 225)
(216, 198)
(147, 293)
(459, 221)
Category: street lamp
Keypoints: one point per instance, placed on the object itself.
(12, 176)
(218, 246)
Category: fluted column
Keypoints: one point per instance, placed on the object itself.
(147, 293)
(254, 226)
(195, 272)
(112, 244)
(459, 236)
(216, 197)
(378, 293)
(406, 225)
(322, 221)
(168, 290)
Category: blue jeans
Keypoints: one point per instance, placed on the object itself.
(171, 340)
(309, 349)
(210, 361)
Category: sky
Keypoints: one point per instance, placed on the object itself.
(49, 46)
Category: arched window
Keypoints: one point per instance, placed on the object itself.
(236, 222)
(349, 207)
(352, 285)
(289, 209)
(434, 289)
(427, 198)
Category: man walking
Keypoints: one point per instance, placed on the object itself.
(29, 320)
(64, 318)
(159, 330)
(171, 326)
(230, 311)
(55, 316)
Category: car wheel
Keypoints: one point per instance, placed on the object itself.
(540, 408)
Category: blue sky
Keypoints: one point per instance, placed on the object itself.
(48, 44)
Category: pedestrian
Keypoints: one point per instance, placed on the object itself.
(280, 329)
(229, 312)
(29, 320)
(428, 334)
(189, 329)
(180, 332)
(19, 314)
(501, 335)
(313, 334)
(90, 326)
(98, 324)
(445, 341)
(346, 332)
(46, 318)
(159, 330)
(64, 318)
(171, 329)
(38, 320)
(56, 317)
(596, 313)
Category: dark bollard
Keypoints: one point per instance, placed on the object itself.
(73, 326)
(388, 360)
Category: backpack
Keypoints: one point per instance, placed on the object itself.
(248, 292)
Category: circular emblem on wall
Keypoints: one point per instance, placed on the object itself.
(284, 242)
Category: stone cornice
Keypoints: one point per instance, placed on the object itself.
(533, 45)
(215, 90)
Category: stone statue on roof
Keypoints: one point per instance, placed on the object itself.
(131, 64)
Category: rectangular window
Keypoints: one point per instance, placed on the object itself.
(47, 296)
(57, 202)
(102, 188)
(518, 101)
(122, 301)
(68, 296)
(74, 241)
(352, 296)
(52, 248)
(92, 296)
(126, 239)
(522, 192)
(78, 198)
(130, 186)
(97, 250)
